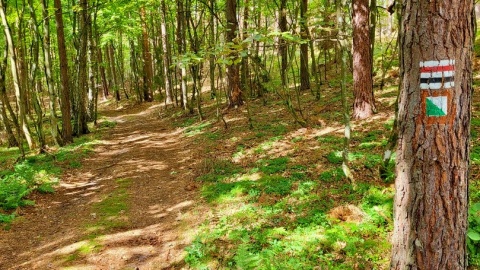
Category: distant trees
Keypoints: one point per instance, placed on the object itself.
(130, 49)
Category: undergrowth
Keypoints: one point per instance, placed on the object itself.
(278, 213)
(37, 173)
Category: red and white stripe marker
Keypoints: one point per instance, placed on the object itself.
(435, 75)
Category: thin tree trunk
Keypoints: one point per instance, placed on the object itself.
(35, 51)
(181, 50)
(283, 48)
(16, 79)
(364, 103)
(64, 76)
(147, 60)
(113, 70)
(82, 81)
(211, 44)
(12, 141)
(346, 113)
(47, 59)
(167, 61)
(245, 71)
(304, 70)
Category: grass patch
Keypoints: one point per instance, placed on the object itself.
(286, 225)
(109, 211)
(197, 128)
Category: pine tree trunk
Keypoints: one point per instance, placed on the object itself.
(431, 200)
(233, 72)
(364, 104)
(64, 76)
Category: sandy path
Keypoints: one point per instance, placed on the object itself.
(162, 211)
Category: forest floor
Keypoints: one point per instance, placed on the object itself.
(131, 204)
(161, 189)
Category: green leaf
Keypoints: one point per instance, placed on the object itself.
(473, 235)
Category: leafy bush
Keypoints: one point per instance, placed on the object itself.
(473, 234)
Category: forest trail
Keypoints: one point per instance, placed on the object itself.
(131, 205)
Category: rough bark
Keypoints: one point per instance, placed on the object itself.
(364, 103)
(233, 73)
(431, 200)
(64, 76)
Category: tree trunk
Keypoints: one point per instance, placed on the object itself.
(431, 200)
(35, 52)
(12, 141)
(47, 59)
(64, 76)
(364, 104)
(245, 70)
(16, 79)
(233, 73)
(113, 70)
(167, 61)
(82, 81)
(147, 60)
(181, 50)
(282, 46)
(211, 45)
(304, 73)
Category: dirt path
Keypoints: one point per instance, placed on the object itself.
(130, 206)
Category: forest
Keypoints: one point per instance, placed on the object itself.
(225, 134)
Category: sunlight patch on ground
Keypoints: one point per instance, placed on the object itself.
(180, 206)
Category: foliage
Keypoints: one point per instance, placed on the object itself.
(38, 173)
(280, 220)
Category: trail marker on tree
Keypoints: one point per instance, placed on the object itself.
(432, 163)
(437, 79)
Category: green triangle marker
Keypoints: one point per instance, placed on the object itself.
(436, 106)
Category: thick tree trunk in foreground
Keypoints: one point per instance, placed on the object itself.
(64, 77)
(364, 104)
(431, 200)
